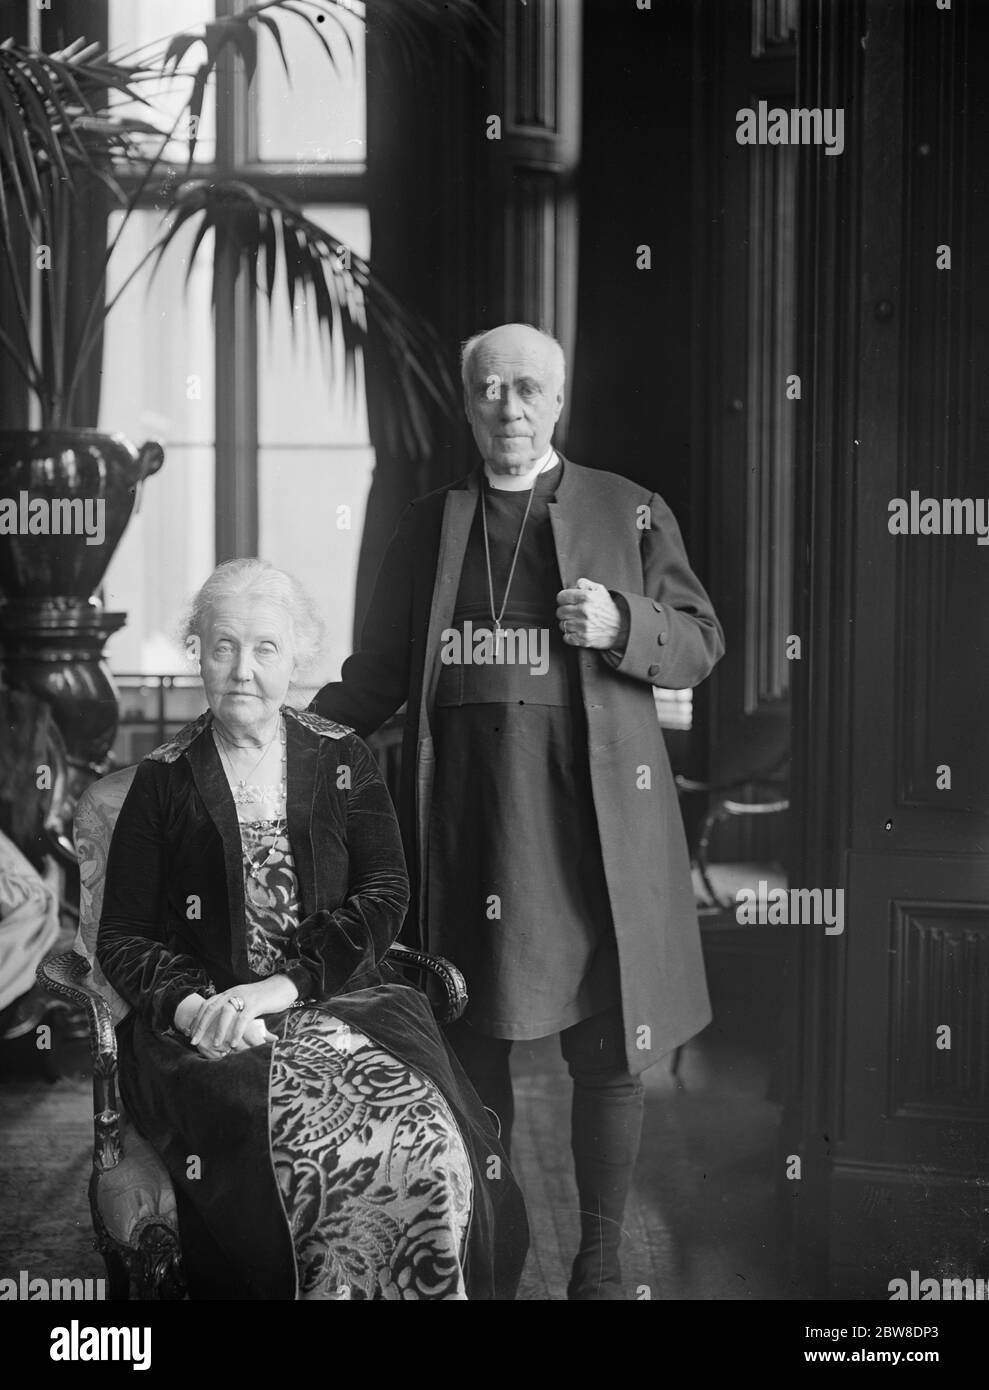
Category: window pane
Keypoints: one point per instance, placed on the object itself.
(315, 459)
(166, 553)
(312, 504)
(139, 31)
(158, 384)
(319, 116)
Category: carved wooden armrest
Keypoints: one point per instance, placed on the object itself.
(453, 982)
(64, 975)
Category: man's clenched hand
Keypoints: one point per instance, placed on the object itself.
(589, 617)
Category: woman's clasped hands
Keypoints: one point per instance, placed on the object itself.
(233, 1021)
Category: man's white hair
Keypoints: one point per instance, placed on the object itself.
(471, 345)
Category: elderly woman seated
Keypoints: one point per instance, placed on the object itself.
(322, 1140)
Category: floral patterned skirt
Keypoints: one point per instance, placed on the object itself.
(371, 1167)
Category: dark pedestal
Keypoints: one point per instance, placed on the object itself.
(53, 649)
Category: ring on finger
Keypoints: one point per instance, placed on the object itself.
(237, 1002)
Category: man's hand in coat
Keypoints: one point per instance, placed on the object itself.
(590, 617)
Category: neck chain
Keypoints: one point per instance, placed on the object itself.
(246, 794)
(255, 867)
(497, 617)
(243, 793)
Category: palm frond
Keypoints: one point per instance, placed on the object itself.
(406, 22)
(407, 25)
(18, 141)
(53, 109)
(78, 114)
(270, 234)
(297, 7)
(276, 34)
(237, 32)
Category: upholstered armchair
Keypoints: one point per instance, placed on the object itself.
(130, 1192)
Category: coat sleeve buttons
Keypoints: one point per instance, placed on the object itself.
(653, 671)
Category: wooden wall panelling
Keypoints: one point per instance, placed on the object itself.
(885, 1124)
(745, 289)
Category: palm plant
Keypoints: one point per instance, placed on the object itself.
(72, 120)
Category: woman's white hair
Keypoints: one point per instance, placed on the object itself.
(265, 581)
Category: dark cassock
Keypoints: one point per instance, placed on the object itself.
(516, 892)
(541, 823)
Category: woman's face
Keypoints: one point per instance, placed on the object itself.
(247, 661)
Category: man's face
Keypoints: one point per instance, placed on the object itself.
(513, 398)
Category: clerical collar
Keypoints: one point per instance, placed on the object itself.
(521, 482)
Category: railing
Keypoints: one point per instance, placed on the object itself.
(154, 707)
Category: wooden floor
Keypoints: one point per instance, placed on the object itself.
(702, 1223)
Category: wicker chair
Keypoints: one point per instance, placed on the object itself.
(130, 1193)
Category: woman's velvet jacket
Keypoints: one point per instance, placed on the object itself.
(173, 923)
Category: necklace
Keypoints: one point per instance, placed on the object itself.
(497, 617)
(243, 794)
(255, 868)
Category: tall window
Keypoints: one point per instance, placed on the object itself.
(263, 455)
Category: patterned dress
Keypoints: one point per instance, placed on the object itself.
(371, 1167)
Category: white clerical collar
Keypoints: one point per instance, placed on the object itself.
(521, 482)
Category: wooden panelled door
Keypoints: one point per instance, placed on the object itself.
(889, 1024)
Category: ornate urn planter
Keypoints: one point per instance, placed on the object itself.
(66, 496)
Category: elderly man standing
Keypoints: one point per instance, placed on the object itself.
(525, 614)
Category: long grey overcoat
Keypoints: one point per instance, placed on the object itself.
(610, 530)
